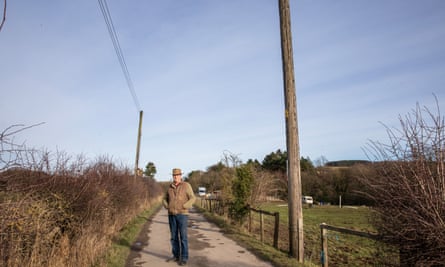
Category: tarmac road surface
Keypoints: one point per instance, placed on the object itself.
(208, 247)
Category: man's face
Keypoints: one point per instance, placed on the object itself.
(177, 178)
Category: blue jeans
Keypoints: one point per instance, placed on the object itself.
(178, 234)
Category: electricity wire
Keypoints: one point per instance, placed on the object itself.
(111, 30)
(4, 17)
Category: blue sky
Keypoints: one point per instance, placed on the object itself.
(208, 76)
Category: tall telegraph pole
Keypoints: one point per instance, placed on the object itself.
(296, 248)
(138, 147)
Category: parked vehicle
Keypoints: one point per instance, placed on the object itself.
(308, 200)
(201, 191)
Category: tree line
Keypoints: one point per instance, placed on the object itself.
(324, 183)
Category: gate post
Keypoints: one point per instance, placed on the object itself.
(324, 246)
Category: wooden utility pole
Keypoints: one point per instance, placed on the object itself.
(136, 165)
(296, 248)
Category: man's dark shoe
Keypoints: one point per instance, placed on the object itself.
(183, 263)
(173, 259)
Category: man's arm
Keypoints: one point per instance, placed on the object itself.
(191, 197)
(165, 200)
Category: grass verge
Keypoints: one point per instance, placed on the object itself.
(120, 250)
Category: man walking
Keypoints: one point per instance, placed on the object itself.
(178, 200)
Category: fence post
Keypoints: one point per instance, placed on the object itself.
(261, 226)
(223, 207)
(324, 246)
(276, 230)
(250, 221)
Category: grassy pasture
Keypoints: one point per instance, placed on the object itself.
(344, 249)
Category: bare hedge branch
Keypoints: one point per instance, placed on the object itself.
(11, 153)
(408, 187)
(59, 210)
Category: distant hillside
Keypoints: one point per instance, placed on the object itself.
(345, 163)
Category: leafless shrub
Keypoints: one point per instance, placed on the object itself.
(408, 187)
(11, 153)
(58, 210)
(263, 187)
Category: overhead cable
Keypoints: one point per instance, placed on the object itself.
(4, 17)
(111, 30)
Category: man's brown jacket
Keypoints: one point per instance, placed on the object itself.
(179, 198)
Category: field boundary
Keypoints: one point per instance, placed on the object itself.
(276, 216)
(324, 239)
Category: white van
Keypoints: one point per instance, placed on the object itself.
(308, 200)
(201, 191)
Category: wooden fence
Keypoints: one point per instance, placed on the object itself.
(217, 206)
(213, 205)
(324, 239)
(276, 215)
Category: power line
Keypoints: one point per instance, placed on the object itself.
(4, 17)
(111, 30)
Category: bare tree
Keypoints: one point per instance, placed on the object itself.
(230, 159)
(408, 187)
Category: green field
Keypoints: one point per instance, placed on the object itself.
(344, 249)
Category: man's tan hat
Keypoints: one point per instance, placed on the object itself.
(176, 171)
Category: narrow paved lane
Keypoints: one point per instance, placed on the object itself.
(207, 246)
